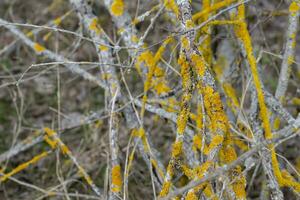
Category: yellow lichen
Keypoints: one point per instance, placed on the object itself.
(208, 191)
(241, 144)
(177, 149)
(185, 43)
(50, 142)
(57, 21)
(116, 178)
(161, 88)
(49, 131)
(213, 8)
(276, 124)
(187, 171)
(216, 141)
(155, 165)
(228, 155)
(202, 169)
(171, 5)
(197, 142)
(120, 31)
(184, 66)
(94, 26)
(38, 48)
(23, 166)
(184, 114)
(134, 39)
(64, 149)
(230, 93)
(171, 105)
(165, 189)
(294, 8)
(290, 182)
(103, 48)
(239, 183)
(214, 107)
(189, 24)
(87, 178)
(243, 34)
(198, 62)
(296, 101)
(191, 196)
(117, 7)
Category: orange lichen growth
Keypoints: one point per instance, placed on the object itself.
(291, 60)
(197, 142)
(138, 133)
(64, 149)
(49, 131)
(130, 160)
(242, 33)
(117, 7)
(57, 21)
(187, 171)
(198, 62)
(177, 149)
(230, 93)
(186, 82)
(55, 139)
(216, 141)
(183, 114)
(38, 48)
(141, 134)
(208, 191)
(185, 43)
(165, 189)
(275, 165)
(239, 183)
(134, 39)
(214, 107)
(189, 24)
(202, 169)
(276, 124)
(294, 8)
(94, 26)
(191, 195)
(161, 49)
(171, 5)
(239, 143)
(296, 101)
(155, 165)
(103, 48)
(147, 57)
(213, 8)
(151, 62)
(24, 166)
(185, 70)
(228, 155)
(50, 142)
(159, 72)
(198, 173)
(290, 182)
(161, 88)
(87, 178)
(116, 178)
